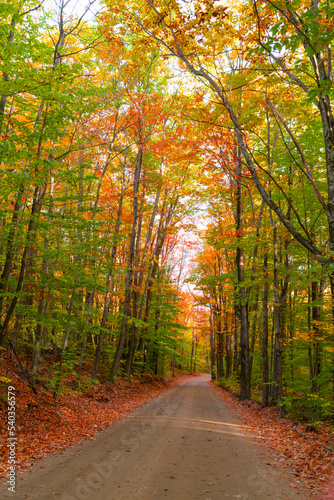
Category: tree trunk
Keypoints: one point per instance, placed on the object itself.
(228, 345)
(245, 391)
(253, 336)
(129, 274)
(107, 299)
(277, 386)
(316, 362)
(31, 237)
(265, 334)
(220, 339)
(10, 249)
(153, 268)
(192, 352)
(212, 346)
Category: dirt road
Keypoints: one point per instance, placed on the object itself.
(183, 445)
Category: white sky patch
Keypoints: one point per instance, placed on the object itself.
(74, 8)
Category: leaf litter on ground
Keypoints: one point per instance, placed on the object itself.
(307, 454)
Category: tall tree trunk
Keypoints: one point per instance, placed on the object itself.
(245, 391)
(137, 282)
(255, 310)
(31, 237)
(212, 346)
(230, 320)
(316, 296)
(265, 333)
(277, 386)
(192, 352)
(156, 252)
(43, 305)
(107, 299)
(235, 340)
(10, 249)
(129, 274)
(220, 338)
(153, 268)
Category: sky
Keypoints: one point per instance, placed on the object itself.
(74, 7)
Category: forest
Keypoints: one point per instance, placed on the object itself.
(167, 195)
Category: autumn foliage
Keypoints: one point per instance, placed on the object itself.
(167, 200)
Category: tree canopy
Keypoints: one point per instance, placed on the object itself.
(167, 194)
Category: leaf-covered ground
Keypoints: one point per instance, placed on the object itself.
(45, 425)
(309, 455)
